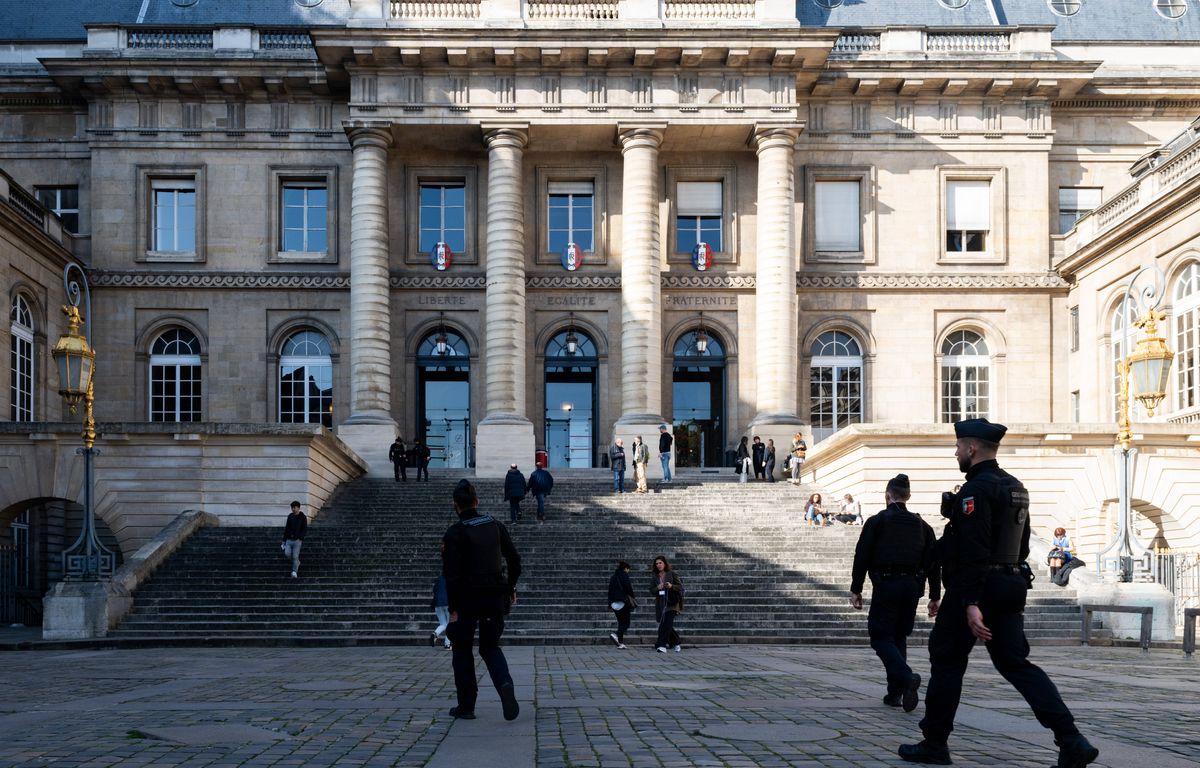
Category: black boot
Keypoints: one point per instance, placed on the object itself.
(911, 697)
(893, 700)
(1075, 752)
(934, 754)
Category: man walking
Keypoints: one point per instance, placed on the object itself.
(641, 460)
(421, 455)
(896, 549)
(514, 491)
(293, 536)
(398, 455)
(664, 451)
(541, 482)
(616, 462)
(982, 554)
(480, 596)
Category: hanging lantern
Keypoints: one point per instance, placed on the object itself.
(441, 256)
(75, 358)
(441, 341)
(702, 256)
(702, 336)
(1150, 363)
(572, 257)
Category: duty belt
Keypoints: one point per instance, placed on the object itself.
(892, 572)
(1005, 567)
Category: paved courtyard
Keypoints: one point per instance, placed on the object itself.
(580, 706)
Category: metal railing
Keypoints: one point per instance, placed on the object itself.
(174, 39)
(1179, 572)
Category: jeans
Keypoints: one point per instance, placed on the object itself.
(291, 548)
(514, 510)
(462, 635)
(619, 480)
(541, 502)
(623, 617)
(423, 469)
(443, 616)
(665, 458)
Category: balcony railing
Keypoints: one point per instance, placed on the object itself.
(940, 44)
(25, 204)
(854, 43)
(709, 10)
(435, 9)
(171, 39)
(284, 40)
(573, 9)
(969, 42)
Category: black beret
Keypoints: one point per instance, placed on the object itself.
(981, 429)
(899, 482)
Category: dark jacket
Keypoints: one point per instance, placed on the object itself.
(742, 453)
(441, 596)
(674, 597)
(398, 454)
(616, 458)
(664, 442)
(758, 453)
(620, 588)
(989, 525)
(421, 454)
(770, 461)
(296, 526)
(514, 485)
(473, 562)
(899, 541)
(541, 482)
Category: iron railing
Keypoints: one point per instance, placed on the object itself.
(1179, 572)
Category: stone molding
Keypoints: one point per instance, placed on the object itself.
(574, 281)
(709, 281)
(906, 281)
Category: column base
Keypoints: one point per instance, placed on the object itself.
(646, 425)
(1128, 626)
(76, 610)
(501, 440)
(779, 427)
(371, 442)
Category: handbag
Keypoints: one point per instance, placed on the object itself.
(737, 468)
(631, 601)
(616, 606)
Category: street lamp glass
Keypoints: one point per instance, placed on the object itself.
(75, 361)
(1150, 365)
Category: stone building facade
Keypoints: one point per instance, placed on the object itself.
(480, 223)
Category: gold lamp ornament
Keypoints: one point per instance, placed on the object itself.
(76, 360)
(1150, 363)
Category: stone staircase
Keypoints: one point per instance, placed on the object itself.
(753, 570)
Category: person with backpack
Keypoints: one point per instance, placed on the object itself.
(541, 482)
(668, 603)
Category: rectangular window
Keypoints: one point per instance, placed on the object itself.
(968, 215)
(1074, 329)
(838, 219)
(698, 215)
(64, 201)
(443, 216)
(175, 392)
(304, 217)
(570, 215)
(1074, 203)
(173, 215)
(21, 376)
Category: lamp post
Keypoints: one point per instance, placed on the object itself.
(87, 559)
(1149, 365)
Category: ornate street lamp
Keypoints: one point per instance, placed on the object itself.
(702, 337)
(572, 339)
(87, 559)
(1149, 365)
(442, 341)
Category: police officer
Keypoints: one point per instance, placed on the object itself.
(480, 596)
(896, 549)
(982, 555)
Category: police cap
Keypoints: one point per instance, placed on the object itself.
(899, 483)
(981, 429)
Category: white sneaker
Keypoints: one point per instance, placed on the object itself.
(661, 650)
(679, 649)
(293, 574)
(621, 646)
(616, 640)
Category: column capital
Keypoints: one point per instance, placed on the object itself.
(506, 136)
(376, 136)
(772, 136)
(640, 136)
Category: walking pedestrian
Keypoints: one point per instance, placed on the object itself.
(758, 457)
(481, 594)
(398, 455)
(421, 456)
(769, 464)
(293, 536)
(641, 458)
(664, 451)
(514, 491)
(742, 460)
(983, 554)
(799, 451)
(621, 600)
(441, 609)
(616, 462)
(668, 603)
(541, 482)
(896, 549)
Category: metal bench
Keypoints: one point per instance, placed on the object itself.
(1189, 630)
(1147, 612)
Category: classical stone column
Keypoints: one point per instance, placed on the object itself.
(370, 427)
(505, 435)
(641, 294)
(776, 321)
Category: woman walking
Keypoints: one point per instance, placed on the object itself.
(668, 601)
(770, 462)
(743, 460)
(799, 450)
(621, 600)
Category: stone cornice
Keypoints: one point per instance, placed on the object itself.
(727, 282)
(439, 282)
(574, 281)
(909, 281)
(102, 278)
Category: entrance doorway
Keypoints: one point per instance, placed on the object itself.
(571, 364)
(698, 400)
(444, 399)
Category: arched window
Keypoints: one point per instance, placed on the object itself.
(175, 383)
(21, 360)
(690, 344)
(306, 380)
(445, 350)
(966, 377)
(1187, 338)
(1118, 353)
(835, 383)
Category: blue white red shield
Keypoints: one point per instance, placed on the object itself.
(440, 257)
(702, 256)
(572, 257)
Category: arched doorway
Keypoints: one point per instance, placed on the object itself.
(444, 398)
(698, 400)
(571, 364)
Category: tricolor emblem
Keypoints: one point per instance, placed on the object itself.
(440, 257)
(968, 505)
(572, 257)
(702, 256)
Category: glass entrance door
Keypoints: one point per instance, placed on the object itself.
(444, 399)
(569, 421)
(698, 402)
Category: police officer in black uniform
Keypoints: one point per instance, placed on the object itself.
(896, 549)
(480, 596)
(982, 554)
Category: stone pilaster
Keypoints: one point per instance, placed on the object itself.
(641, 295)
(776, 321)
(370, 427)
(505, 435)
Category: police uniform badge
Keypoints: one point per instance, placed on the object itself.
(968, 505)
(440, 256)
(572, 257)
(702, 256)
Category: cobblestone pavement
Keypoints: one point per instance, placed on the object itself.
(581, 706)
